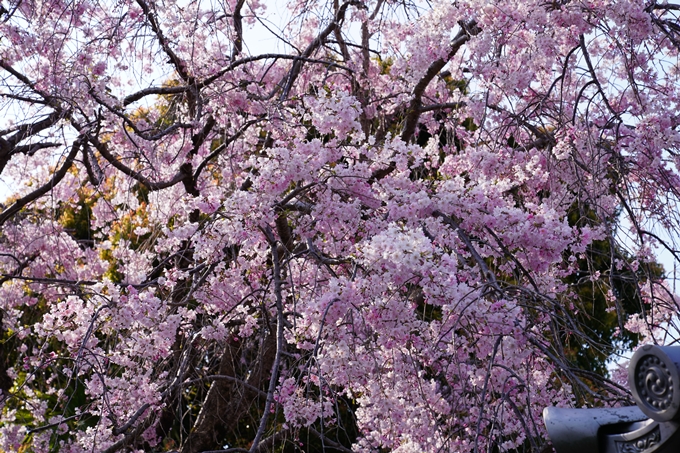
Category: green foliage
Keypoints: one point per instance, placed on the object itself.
(605, 295)
(76, 218)
(385, 65)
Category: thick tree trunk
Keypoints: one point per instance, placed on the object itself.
(228, 401)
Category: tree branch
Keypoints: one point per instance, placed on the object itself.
(467, 30)
(280, 340)
(318, 41)
(56, 178)
(179, 65)
(151, 185)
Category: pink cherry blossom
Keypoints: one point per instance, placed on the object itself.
(366, 226)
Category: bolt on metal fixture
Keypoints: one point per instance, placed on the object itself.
(651, 426)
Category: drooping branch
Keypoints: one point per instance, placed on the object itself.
(94, 171)
(593, 74)
(27, 130)
(122, 429)
(328, 443)
(485, 387)
(280, 340)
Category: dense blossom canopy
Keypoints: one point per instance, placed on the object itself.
(374, 226)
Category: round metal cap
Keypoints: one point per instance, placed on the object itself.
(655, 381)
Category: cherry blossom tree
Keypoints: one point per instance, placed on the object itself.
(374, 235)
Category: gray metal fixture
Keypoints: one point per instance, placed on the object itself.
(651, 426)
